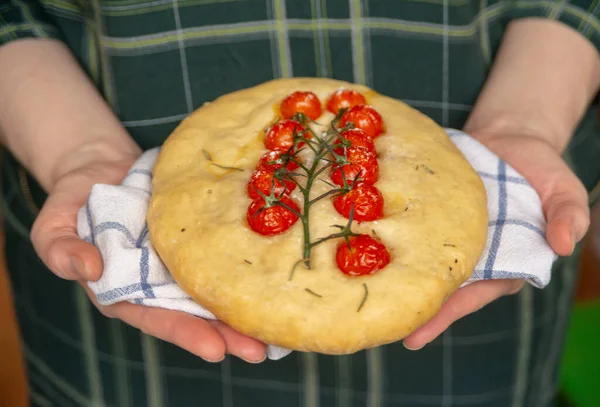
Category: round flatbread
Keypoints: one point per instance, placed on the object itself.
(434, 226)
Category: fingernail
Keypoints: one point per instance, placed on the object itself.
(573, 240)
(213, 361)
(413, 349)
(254, 362)
(78, 268)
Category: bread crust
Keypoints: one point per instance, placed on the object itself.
(434, 226)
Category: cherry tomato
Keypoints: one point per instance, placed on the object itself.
(272, 161)
(366, 200)
(357, 138)
(364, 117)
(263, 181)
(272, 219)
(280, 136)
(344, 99)
(365, 256)
(301, 102)
(362, 164)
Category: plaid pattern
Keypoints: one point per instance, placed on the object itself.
(155, 61)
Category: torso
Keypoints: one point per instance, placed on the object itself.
(160, 60)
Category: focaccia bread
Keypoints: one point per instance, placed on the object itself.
(247, 260)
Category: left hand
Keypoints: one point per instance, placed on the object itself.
(54, 236)
(565, 205)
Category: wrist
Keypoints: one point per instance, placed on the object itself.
(52, 118)
(507, 127)
(540, 85)
(92, 153)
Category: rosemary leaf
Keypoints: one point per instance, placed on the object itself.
(295, 212)
(326, 194)
(224, 167)
(328, 183)
(362, 303)
(426, 168)
(308, 290)
(294, 268)
(209, 158)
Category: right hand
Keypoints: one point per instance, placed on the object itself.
(564, 203)
(56, 241)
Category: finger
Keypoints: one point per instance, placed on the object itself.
(564, 198)
(464, 301)
(54, 233)
(244, 347)
(55, 239)
(216, 337)
(181, 329)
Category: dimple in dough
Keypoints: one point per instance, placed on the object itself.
(434, 226)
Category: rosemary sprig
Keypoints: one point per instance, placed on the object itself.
(345, 231)
(323, 158)
(321, 148)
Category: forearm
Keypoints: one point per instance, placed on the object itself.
(542, 81)
(51, 116)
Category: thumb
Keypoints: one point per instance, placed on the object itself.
(567, 214)
(564, 198)
(55, 239)
(54, 233)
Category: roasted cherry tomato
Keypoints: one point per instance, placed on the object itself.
(280, 136)
(301, 102)
(272, 161)
(365, 255)
(366, 200)
(271, 219)
(362, 164)
(263, 181)
(344, 99)
(363, 117)
(357, 138)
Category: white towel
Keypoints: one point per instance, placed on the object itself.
(114, 219)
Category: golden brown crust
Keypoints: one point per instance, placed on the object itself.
(197, 222)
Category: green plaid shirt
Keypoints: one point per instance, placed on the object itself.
(157, 60)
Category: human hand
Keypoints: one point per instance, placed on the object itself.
(540, 85)
(564, 202)
(56, 241)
